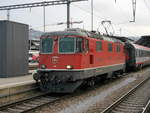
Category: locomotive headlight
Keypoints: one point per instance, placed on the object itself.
(69, 67)
(43, 66)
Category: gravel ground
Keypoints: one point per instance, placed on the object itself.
(96, 99)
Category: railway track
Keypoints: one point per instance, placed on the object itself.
(134, 101)
(29, 104)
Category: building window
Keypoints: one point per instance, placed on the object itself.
(98, 46)
(110, 48)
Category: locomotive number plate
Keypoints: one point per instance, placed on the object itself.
(55, 59)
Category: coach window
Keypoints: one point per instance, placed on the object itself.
(110, 47)
(118, 48)
(98, 46)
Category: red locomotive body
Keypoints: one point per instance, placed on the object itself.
(69, 58)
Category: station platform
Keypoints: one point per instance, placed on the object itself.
(14, 88)
(16, 81)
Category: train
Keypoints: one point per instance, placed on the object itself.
(73, 57)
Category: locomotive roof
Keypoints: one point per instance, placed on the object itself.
(84, 33)
(65, 33)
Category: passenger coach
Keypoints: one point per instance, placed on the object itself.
(139, 56)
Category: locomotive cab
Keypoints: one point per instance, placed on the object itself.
(61, 52)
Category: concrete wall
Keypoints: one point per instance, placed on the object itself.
(13, 49)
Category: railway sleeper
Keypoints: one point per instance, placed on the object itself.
(134, 101)
(47, 98)
(120, 110)
(129, 107)
(29, 105)
(13, 110)
(41, 101)
(4, 112)
(35, 103)
(23, 107)
(136, 105)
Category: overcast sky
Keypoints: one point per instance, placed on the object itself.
(120, 13)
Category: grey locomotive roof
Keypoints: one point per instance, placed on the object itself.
(65, 33)
(84, 33)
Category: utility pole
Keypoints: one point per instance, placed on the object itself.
(134, 10)
(91, 15)
(68, 13)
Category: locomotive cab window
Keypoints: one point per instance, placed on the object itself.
(98, 46)
(110, 47)
(46, 45)
(70, 45)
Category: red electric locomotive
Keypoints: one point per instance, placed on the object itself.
(71, 57)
